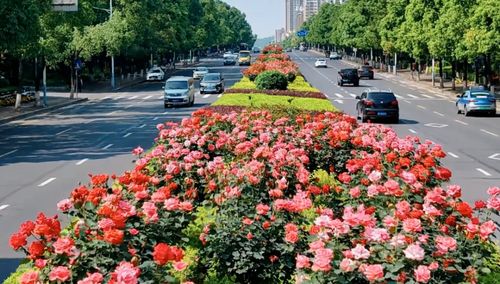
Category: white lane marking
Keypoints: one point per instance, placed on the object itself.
(412, 96)
(494, 156)
(113, 112)
(156, 118)
(160, 97)
(129, 106)
(127, 135)
(453, 155)
(47, 182)
(81, 161)
(352, 95)
(119, 97)
(2, 207)
(427, 96)
(165, 112)
(398, 96)
(422, 107)
(483, 172)
(64, 131)
(407, 101)
(206, 96)
(107, 146)
(220, 95)
(105, 98)
(459, 121)
(412, 131)
(146, 98)
(490, 133)
(438, 113)
(326, 95)
(339, 95)
(8, 153)
(142, 126)
(339, 101)
(131, 98)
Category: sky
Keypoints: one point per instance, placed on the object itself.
(265, 16)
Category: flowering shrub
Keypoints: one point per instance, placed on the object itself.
(272, 49)
(272, 59)
(289, 93)
(254, 199)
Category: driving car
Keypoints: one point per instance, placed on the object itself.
(288, 49)
(155, 74)
(199, 72)
(476, 100)
(335, 56)
(179, 90)
(366, 71)
(320, 62)
(377, 104)
(230, 59)
(244, 58)
(348, 76)
(212, 83)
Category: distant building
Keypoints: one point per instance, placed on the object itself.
(311, 7)
(279, 35)
(293, 15)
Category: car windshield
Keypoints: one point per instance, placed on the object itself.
(201, 69)
(244, 54)
(381, 96)
(155, 71)
(479, 95)
(211, 77)
(173, 85)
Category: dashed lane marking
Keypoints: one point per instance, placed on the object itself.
(127, 135)
(339, 95)
(160, 97)
(119, 97)
(483, 172)
(352, 95)
(412, 131)
(2, 207)
(47, 182)
(412, 96)
(422, 107)
(156, 118)
(427, 96)
(107, 147)
(339, 101)
(131, 98)
(398, 96)
(81, 161)
(61, 132)
(8, 153)
(438, 113)
(105, 98)
(142, 126)
(206, 96)
(461, 122)
(490, 133)
(146, 98)
(453, 155)
(407, 101)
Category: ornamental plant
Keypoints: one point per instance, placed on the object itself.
(245, 197)
(271, 80)
(272, 49)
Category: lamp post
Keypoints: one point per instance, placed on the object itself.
(110, 12)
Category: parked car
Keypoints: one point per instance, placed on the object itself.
(244, 58)
(179, 90)
(376, 104)
(476, 100)
(335, 56)
(320, 62)
(155, 74)
(366, 71)
(199, 72)
(348, 76)
(212, 83)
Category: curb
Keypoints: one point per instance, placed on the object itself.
(40, 110)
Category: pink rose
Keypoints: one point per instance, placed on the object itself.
(322, 260)
(59, 273)
(262, 209)
(412, 225)
(94, 278)
(422, 274)
(63, 245)
(372, 272)
(414, 252)
(137, 151)
(64, 205)
(179, 265)
(433, 266)
(30, 277)
(375, 176)
(171, 204)
(390, 222)
(486, 229)
(302, 261)
(316, 245)
(150, 211)
(445, 244)
(106, 224)
(347, 265)
(126, 273)
(359, 252)
(355, 192)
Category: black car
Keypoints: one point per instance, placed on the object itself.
(366, 71)
(212, 83)
(348, 76)
(375, 104)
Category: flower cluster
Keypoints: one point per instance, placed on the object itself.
(258, 199)
(272, 49)
(272, 59)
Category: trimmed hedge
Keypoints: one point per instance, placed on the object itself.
(271, 80)
(290, 93)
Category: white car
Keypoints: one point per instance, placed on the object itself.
(335, 56)
(320, 63)
(200, 72)
(155, 74)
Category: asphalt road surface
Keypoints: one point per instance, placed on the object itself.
(44, 157)
(472, 143)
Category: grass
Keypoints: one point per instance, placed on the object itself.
(299, 84)
(262, 101)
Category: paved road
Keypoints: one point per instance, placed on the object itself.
(472, 143)
(44, 157)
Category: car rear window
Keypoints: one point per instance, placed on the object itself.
(381, 96)
(479, 95)
(348, 71)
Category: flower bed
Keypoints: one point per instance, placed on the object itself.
(289, 93)
(299, 84)
(245, 198)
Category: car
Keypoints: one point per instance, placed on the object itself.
(179, 90)
(320, 62)
(155, 74)
(256, 50)
(348, 76)
(230, 59)
(199, 72)
(366, 71)
(212, 83)
(244, 58)
(377, 104)
(288, 49)
(335, 56)
(476, 100)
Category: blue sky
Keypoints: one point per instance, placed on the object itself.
(265, 16)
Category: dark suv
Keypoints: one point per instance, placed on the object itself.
(348, 76)
(366, 71)
(375, 104)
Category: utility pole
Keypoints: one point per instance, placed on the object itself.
(112, 55)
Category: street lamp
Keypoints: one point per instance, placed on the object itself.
(110, 12)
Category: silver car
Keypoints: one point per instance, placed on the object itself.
(179, 90)
(199, 72)
(212, 83)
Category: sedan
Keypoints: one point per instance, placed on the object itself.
(199, 72)
(155, 74)
(320, 63)
(366, 71)
(477, 101)
(212, 83)
(335, 56)
(374, 104)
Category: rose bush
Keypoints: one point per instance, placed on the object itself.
(314, 198)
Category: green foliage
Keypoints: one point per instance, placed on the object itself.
(300, 84)
(14, 278)
(271, 80)
(244, 83)
(204, 215)
(262, 101)
(322, 178)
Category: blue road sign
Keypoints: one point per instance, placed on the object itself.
(302, 33)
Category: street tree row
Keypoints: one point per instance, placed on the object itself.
(458, 31)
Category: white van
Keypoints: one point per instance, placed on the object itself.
(179, 90)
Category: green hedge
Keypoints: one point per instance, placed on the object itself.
(299, 84)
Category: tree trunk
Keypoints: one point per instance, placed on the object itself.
(17, 104)
(418, 69)
(441, 83)
(72, 80)
(37, 84)
(465, 73)
(487, 70)
(476, 71)
(453, 71)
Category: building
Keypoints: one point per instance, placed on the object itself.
(279, 35)
(294, 15)
(311, 7)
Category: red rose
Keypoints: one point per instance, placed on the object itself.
(113, 236)
(442, 173)
(17, 240)
(164, 253)
(464, 209)
(36, 249)
(27, 228)
(451, 221)
(479, 204)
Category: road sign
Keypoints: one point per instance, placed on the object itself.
(78, 64)
(302, 33)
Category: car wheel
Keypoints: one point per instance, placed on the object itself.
(356, 85)
(458, 110)
(341, 84)
(165, 105)
(371, 78)
(493, 113)
(363, 117)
